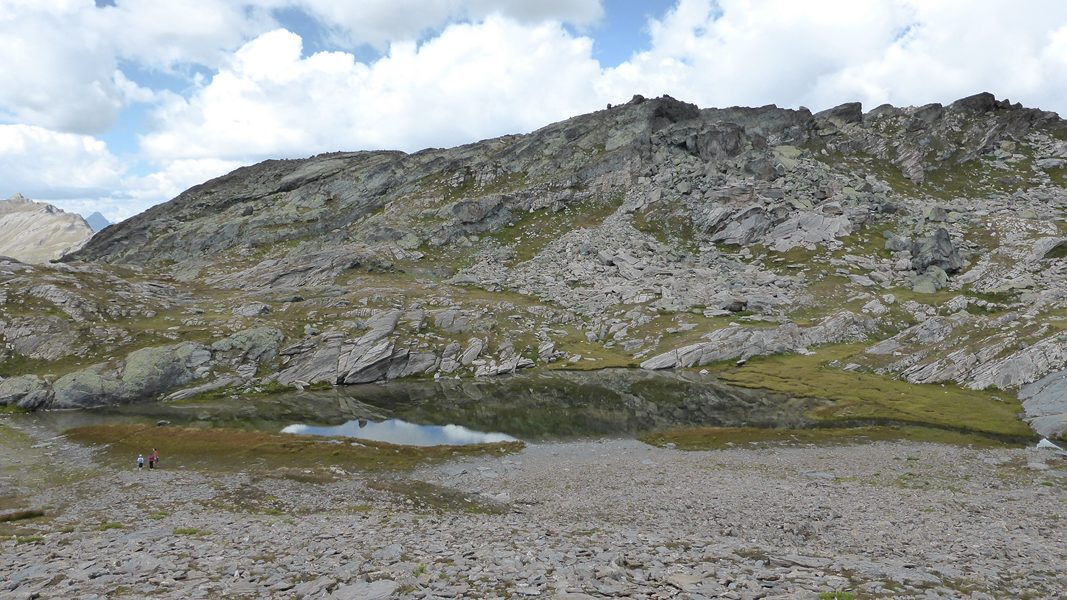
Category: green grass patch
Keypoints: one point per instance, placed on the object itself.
(28, 539)
(109, 525)
(717, 438)
(869, 398)
(228, 449)
(189, 531)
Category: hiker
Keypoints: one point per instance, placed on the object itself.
(140, 461)
(153, 458)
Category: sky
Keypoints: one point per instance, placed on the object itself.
(117, 105)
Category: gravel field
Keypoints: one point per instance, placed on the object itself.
(594, 519)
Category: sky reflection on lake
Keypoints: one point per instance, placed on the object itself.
(396, 431)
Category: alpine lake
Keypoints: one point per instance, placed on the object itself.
(438, 419)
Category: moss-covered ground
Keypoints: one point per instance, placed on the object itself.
(862, 398)
(713, 438)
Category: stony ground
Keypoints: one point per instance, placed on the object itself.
(611, 518)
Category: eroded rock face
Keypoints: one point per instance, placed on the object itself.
(1045, 402)
(742, 342)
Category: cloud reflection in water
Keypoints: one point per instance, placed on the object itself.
(395, 431)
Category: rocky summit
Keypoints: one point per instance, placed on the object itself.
(37, 232)
(919, 244)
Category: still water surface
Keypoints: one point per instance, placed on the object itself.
(397, 431)
(529, 407)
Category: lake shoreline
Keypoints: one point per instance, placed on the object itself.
(585, 519)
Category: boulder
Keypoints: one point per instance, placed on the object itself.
(841, 115)
(252, 309)
(151, 371)
(381, 324)
(936, 250)
(86, 388)
(28, 392)
(473, 350)
(980, 103)
(144, 375)
(933, 279)
(365, 362)
(258, 345)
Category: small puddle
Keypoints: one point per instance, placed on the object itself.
(396, 431)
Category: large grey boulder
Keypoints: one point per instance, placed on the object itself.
(86, 388)
(841, 115)
(28, 392)
(258, 345)
(145, 374)
(936, 250)
(252, 309)
(928, 282)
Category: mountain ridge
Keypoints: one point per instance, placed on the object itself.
(652, 234)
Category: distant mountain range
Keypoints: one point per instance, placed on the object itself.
(97, 221)
(37, 232)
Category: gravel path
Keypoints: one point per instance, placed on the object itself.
(612, 518)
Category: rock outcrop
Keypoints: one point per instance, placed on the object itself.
(1045, 402)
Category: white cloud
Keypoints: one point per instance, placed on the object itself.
(819, 54)
(46, 164)
(960, 47)
(489, 67)
(161, 35)
(378, 22)
(61, 59)
(171, 179)
(450, 90)
(62, 56)
(54, 74)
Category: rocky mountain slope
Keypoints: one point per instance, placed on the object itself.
(37, 232)
(923, 243)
